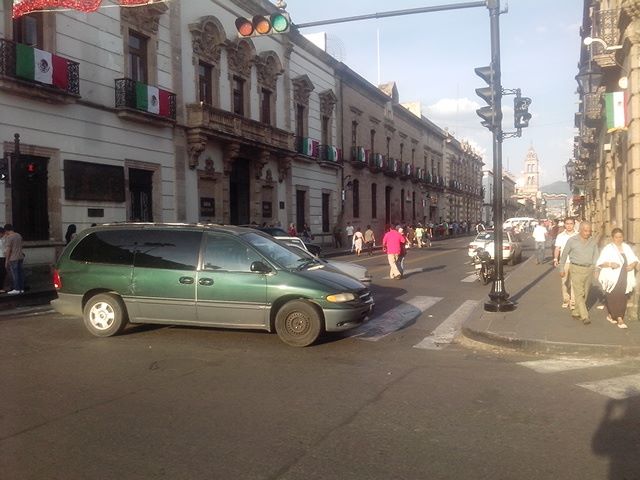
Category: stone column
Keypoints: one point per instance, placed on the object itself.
(231, 152)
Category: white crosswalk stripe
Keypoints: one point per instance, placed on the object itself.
(447, 330)
(394, 319)
(470, 278)
(618, 388)
(554, 365)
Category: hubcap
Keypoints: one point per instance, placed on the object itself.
(297, 323)
(102, 315)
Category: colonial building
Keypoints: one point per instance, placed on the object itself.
(161, 113)
(605, 171)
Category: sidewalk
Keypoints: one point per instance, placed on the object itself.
(540, 325)
(38, 289)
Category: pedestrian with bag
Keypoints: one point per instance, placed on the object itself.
(392, 245)
(617, 263)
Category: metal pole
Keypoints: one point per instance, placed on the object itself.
(498, 296)
(394, 13)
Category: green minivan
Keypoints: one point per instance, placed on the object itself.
(206, 275)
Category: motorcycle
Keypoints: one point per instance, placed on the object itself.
(484, 265)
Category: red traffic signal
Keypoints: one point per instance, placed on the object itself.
(261, 25)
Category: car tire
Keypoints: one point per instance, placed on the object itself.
(298, 323)
(105, 315)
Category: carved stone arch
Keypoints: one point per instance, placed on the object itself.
(302, 88)
(269, 67)
(146, 18)
(241, 54)
(208, 38)
(328, 101)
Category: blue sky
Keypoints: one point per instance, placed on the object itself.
(432, 56)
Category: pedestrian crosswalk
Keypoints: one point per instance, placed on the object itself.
(617, 387)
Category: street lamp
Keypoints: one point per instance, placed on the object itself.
(589, 78)
(570, 170)
(588, 41)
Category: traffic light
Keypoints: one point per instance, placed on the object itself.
(261, 25)
(487, 114)
(521, 115)
(4, 168)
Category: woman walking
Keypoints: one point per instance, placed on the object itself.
(358, 241)
(617, 264)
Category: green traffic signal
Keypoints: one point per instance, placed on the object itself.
(262, 25)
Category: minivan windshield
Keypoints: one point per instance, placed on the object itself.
(274, 251)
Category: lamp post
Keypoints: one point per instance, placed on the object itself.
(589, 78)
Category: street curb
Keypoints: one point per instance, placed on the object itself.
(28, 299)
(529, 345)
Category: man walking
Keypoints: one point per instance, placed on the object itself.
(582, 251)
(349, 229)
(540, 237)
(369, 239)
(561, 240)
(14, 258)
(392, 244)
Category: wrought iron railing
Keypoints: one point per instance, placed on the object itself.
(605, 27)
(9, 59)
(308, 146)
(129, 94)
(330, 153)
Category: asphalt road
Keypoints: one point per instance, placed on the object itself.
(396, 399)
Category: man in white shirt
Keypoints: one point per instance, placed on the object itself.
(561, 240)
(540, 237)
(350, 231)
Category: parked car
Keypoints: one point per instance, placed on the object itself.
(480, 241)
(203, 275)
(284, 236)
(511, 248)
(354, 270)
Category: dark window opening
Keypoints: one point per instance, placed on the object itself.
(29, 29)
(138, 57)
(265, 106)
(356, 199)
(205, 83)
(374, 200)
(238, 95)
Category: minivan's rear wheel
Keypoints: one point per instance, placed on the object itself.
(105, 315)
(298, 323)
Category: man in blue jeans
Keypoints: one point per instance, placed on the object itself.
(540, 237)
(14, 258)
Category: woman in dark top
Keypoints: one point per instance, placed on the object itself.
(71, 232)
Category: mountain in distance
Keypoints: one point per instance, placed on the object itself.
(556, 187)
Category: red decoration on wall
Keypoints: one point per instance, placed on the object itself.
(23, 7)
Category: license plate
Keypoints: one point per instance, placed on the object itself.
(478, 266)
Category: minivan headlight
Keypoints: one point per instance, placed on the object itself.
(341, 297)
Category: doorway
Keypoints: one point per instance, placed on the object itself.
(239, 193)
(301, 198)
(387, 205)
(141, 193)
(29, 198)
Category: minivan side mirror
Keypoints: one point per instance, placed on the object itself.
(260, 267)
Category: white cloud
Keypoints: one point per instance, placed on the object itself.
(446, 107)
(541, 29)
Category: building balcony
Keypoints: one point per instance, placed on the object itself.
(605, 26)
(308, 147)
(330, 154)
(226, 125)
(592, 109)
(376, 162)
(420, 175)
(144, 103)
(406, 170)
(35, 73)
(359, 157)
(392, 167)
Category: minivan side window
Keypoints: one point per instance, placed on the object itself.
(168, 249)
(114, 247)
(224, 252)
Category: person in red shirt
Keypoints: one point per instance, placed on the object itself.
(392, 245)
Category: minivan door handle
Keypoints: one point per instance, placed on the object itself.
(186, 280)
(206, 282)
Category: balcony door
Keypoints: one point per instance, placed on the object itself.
(141, 193)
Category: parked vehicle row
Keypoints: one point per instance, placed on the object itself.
(204, 275)
(511, 247)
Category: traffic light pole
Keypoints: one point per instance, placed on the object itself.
(499, 298)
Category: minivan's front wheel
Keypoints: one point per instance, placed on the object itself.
(298, 324)
(105, 315)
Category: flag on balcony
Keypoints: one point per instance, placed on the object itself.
(152, 99)
(310, 147)
(22, 7)
(40, 66)
(616, 110)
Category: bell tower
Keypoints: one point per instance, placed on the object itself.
(531, 173)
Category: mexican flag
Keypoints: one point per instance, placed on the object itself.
(310, 147)
(616, 110)
(22, 7)
(152, 99)
(40, 66)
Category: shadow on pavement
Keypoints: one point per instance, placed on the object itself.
(515, 297)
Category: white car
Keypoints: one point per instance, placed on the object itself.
(511, 248)
(480, 241)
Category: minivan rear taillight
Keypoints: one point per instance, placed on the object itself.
(57, 283)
